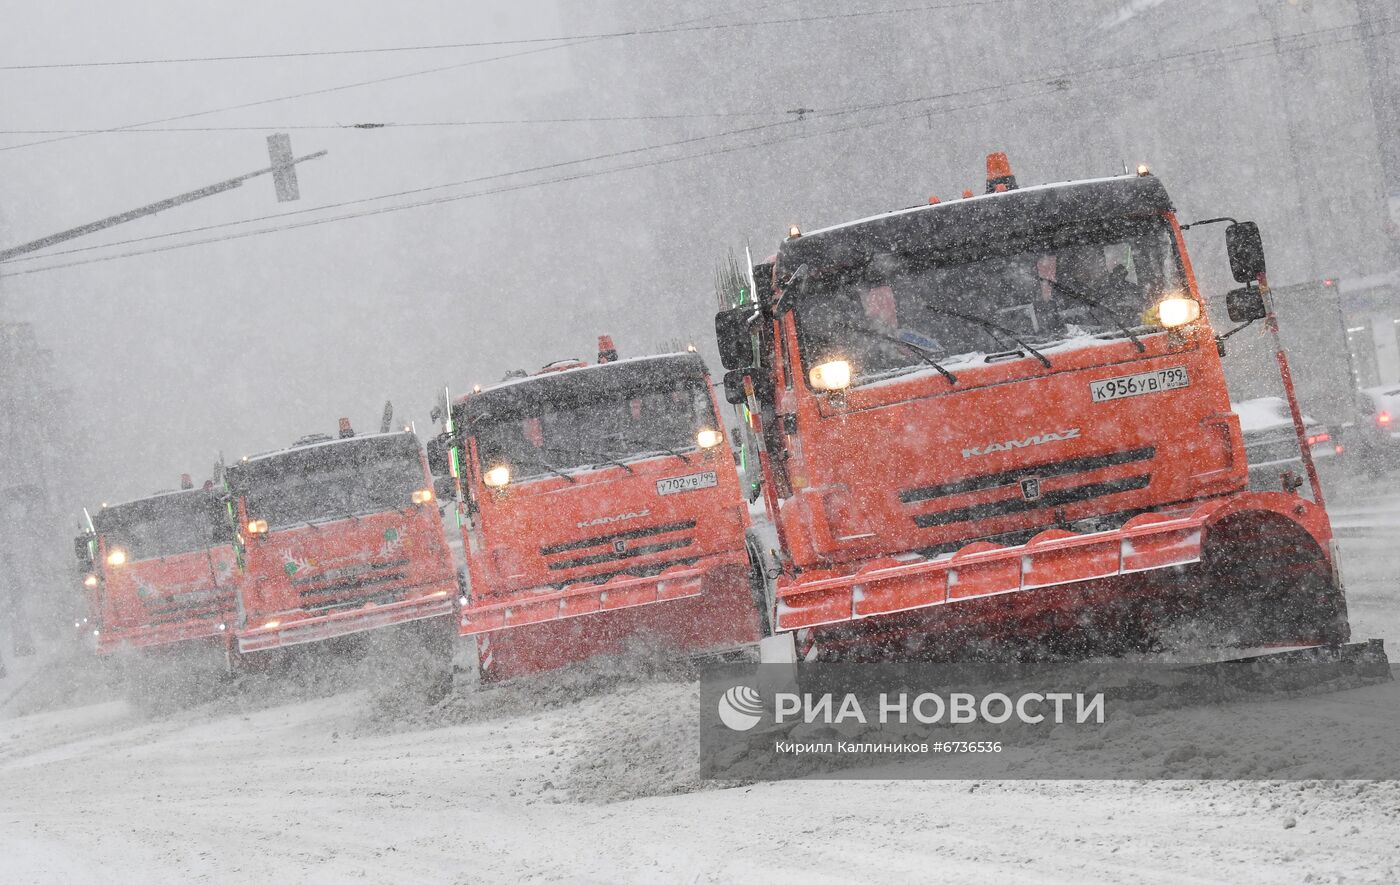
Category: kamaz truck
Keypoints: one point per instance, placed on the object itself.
(161, 570)
(601, 511)
(998, 426)
(339, 536)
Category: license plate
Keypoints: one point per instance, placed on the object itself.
(1173, 378)
(673, 484)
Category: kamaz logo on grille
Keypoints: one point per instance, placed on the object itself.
(1038, 439)
(605, 520)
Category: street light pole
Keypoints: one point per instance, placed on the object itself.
(283, 171)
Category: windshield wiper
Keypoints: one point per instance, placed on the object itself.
(550, 467)
(918, 351)
(646, 442)
(1095, 303)
(993, 329)
(606, 458)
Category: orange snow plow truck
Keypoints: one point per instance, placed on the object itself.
(998, 425)
(601, 508)
(164, 571)
(340, 536)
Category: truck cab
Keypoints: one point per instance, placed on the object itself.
(338, 536)
(164, 571)
(601, 508)
(1003, 420)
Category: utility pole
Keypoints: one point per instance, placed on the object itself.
(282, 170)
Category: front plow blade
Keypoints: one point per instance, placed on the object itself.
(1052, 558)
(1252, 569)
(344, 623)
(578, 600)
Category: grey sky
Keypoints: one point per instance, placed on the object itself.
(247, 344)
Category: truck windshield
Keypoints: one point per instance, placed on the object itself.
(166, 525)
(345, 478)
(1081, 284)
(591, 418)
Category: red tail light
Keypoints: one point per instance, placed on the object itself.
(1383, 418)
(1318, 438)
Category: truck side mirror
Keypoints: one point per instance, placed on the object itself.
(444, 488)
(439, 451)
(1246, 250)
(1245, 305)
(83, 551)
(734, 386)
(732, 334)
(225, 532)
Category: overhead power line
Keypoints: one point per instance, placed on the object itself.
(1153, 67)
(281, 98)
(478, 44)
(339, 88)
(517, 121)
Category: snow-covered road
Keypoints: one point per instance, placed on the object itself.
(597, 785)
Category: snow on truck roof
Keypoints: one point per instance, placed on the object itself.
(263, 456)
(1001, 214)
(975, 197)
(627, 362)
(165, 494)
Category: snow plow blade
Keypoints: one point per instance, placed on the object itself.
(1202, 555)
(343, 623)
(1284, 670)
(585, 599)
(153, 636)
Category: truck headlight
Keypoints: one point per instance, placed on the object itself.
(708, 439)
(423, 496)
(1178, 310)
(497, 477)
(257, 526)
(117, 556)
(833, 375)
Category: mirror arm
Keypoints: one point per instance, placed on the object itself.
(1220, 339)
(1221, 220)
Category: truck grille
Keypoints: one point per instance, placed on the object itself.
(194, 605)
(355, 585)
(618, 546)
(1021, 504)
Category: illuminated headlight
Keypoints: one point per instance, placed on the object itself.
(90, 581)
(116, 557)
(272, 625)
(423, 496)
(708, 439)
(257, 526)
(97, 633)
(1177, 310)
(834, 375)
(223, 627)
(497, 477)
